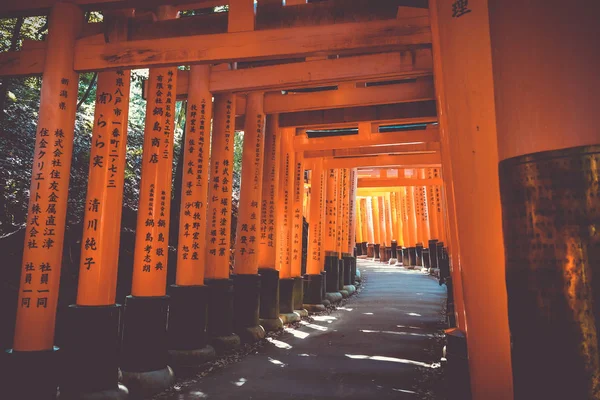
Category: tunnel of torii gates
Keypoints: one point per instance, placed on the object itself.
(452, 134)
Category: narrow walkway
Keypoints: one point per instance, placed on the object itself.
(379, 345)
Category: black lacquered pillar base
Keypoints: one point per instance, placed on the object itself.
(269, 300)
(332, 271)
(370, 250)
(286, 301)
(188, 341)
(313, 293)
(90, 355)
(353, 274)
(298, 296)
(426, 260)
(364, 247)
(246, 307)
(412, 257)
(376, 251)
(405, 258)
(419, 255)
(457, 367)
(384, 254)
(358, 249)
(341, 273)
(144, 346)
(220, 315)
(347, 259)
(394, 247)
(433, 253)
(324, 288)
(28, 375)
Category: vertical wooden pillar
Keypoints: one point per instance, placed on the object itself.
(382, 227)
(462, 57)
(331, 210)
(431, 208)
(220, 325)
(424, 208)
(102, 220)
(284, 227)
(42, 257)
(437, 206)
(267, 245)
(189, 296)
(376, 220)
(267, 249)
(146, 309)
(246, 254)
(313, 295)
(549, 152)
(358, 220)
(353, 223)
(296, 229)
(404, 215)
(246, 281)
(411, 215)
(370, 217)
(364, 217)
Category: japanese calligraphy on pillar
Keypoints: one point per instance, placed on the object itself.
(331, 209)
(317, 213)
(249, 212)
(342, 192)
(194, 191)
(221, 169)
(286, 187)
(352, 210)
(297, 205)
(44, 234)
(268, 215)
(104, 201)
(151, 251)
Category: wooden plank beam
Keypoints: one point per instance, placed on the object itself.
(377, 183)
(412, 160)
(410, 113)
(27, 61)
(93, 55)
(24, 8)
(341, 151)
(420, 90)
(303, 143)
(397, 65)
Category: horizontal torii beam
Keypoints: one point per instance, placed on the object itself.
(93, 54)
(394, 183)
(366, 137)
(397, 65)
(373, 150)
(410, 160)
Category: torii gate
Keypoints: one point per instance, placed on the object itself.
(487, 118)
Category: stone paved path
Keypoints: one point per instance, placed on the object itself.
(379, 345)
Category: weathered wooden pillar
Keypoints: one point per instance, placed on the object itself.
(32, 365)
(95, 317)
(549, 151)
(463, 61)
(424, 207)
(353, 229)
(341, 228)
(376, 227)
(246, 281)
(220, 292)
(367, 228)
(144, 338)
(412, 224)
(359, 225)
(431, 207)
(383, 228)
(284, 231)
(370, 227)
(313, 294)
(188, 342)
(267, 245)
(331, 265)
(296, 232)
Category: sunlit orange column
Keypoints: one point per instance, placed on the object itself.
(267, 244)
(246, 281)
(218, 247)
(248, 225)
(404, 215)
(370, 227)
(284, 226)
(466, 107)
(353, 211)
(267, 249)
(364, 217)
(104, 201)
(431, 208)
(194, 192)
(376, 226)
(284, 205)
(437, 206)
(383, 228)
(412, 215)
(189, 295)
(44, 236)
(424, 208)
(331, 211)
(296, 229)
(146, 310)
(359, 221)
(313, 296)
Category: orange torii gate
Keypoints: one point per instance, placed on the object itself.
(485, 120)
